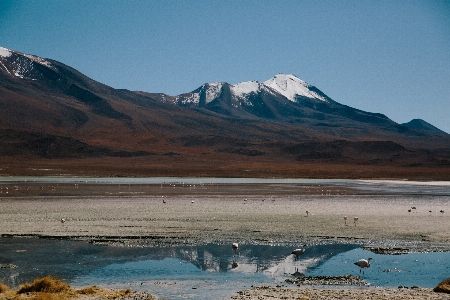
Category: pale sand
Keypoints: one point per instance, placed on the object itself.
(223, 216)
(338, 294)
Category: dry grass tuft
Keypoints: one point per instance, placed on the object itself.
(45, 284)
(91, 290)
(443, 286)
(106, 293)
(51, 296)
(3, 288)
(49, 288)
(123, 293)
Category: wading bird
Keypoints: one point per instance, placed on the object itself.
(298, 252)
(363, 263)
(235, 247)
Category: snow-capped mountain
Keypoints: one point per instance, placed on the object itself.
(284, 97)
(288, 86)
(52, 110)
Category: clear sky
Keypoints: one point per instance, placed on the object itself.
(390, 57)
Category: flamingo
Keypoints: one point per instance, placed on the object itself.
(299, 251)
(363, 263)
(235, 247)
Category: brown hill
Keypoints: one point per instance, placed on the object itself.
(55, 120)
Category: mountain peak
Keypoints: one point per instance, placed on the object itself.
(21, 65)
(422, 125)
(291, 86)
(243, 88)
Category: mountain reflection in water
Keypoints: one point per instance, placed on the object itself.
(205, 272)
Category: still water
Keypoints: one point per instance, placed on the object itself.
(206, 272)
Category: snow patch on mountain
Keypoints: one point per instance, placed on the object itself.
(244, 88)
(40, 61)
(210, 90)
(290, 86)
(21, 65)
(192, 98)
(213, 91)
(5, 52)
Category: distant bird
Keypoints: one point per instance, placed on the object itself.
(235, 247)
(363, 263)
(192, 201)
(307, 213)
(355, 219)
(413, 207)
(441, 211)
(345, 220)
(299, 251)
(63, 221)
(409, 210)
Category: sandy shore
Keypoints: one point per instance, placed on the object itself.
(338, 294)
(181, 215)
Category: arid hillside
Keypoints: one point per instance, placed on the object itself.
(54, 120)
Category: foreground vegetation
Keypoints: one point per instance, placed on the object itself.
(49, 288)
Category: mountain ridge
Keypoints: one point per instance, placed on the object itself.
(49, 110)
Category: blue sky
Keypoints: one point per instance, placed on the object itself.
(390, 57)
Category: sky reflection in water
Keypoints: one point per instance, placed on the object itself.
(206, 272)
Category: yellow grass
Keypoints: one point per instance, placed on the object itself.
(49, 288)
(3, 288)
(443, 286)
(45, 284)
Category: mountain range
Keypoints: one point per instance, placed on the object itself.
(56, 120)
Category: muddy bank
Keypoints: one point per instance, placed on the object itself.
(267, 292)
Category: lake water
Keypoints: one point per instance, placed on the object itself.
(206, 272)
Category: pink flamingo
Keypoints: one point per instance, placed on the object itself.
(363, 263)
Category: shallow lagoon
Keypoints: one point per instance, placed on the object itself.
(206, 272)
